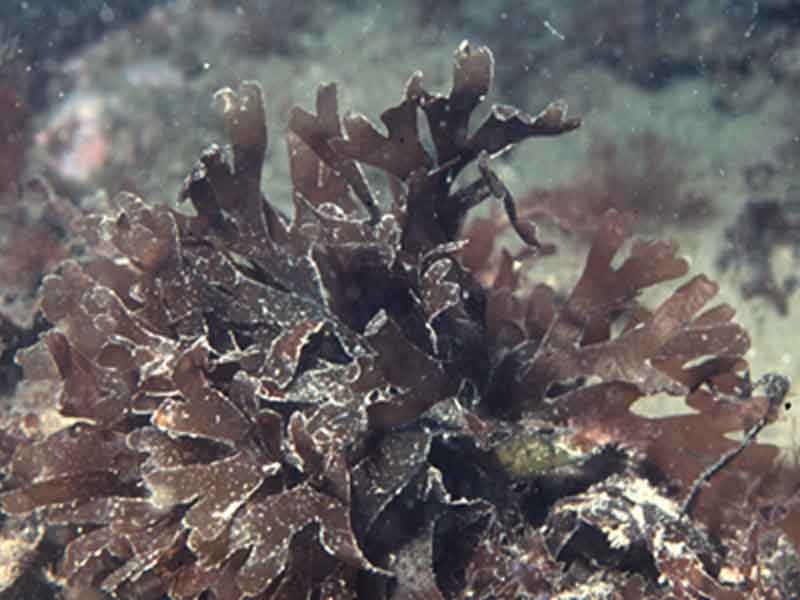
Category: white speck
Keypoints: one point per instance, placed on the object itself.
(553, 30)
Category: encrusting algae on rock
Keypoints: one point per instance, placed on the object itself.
(322, 406)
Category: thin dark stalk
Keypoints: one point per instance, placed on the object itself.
(776, 388)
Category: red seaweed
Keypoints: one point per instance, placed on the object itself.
(362, 401)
